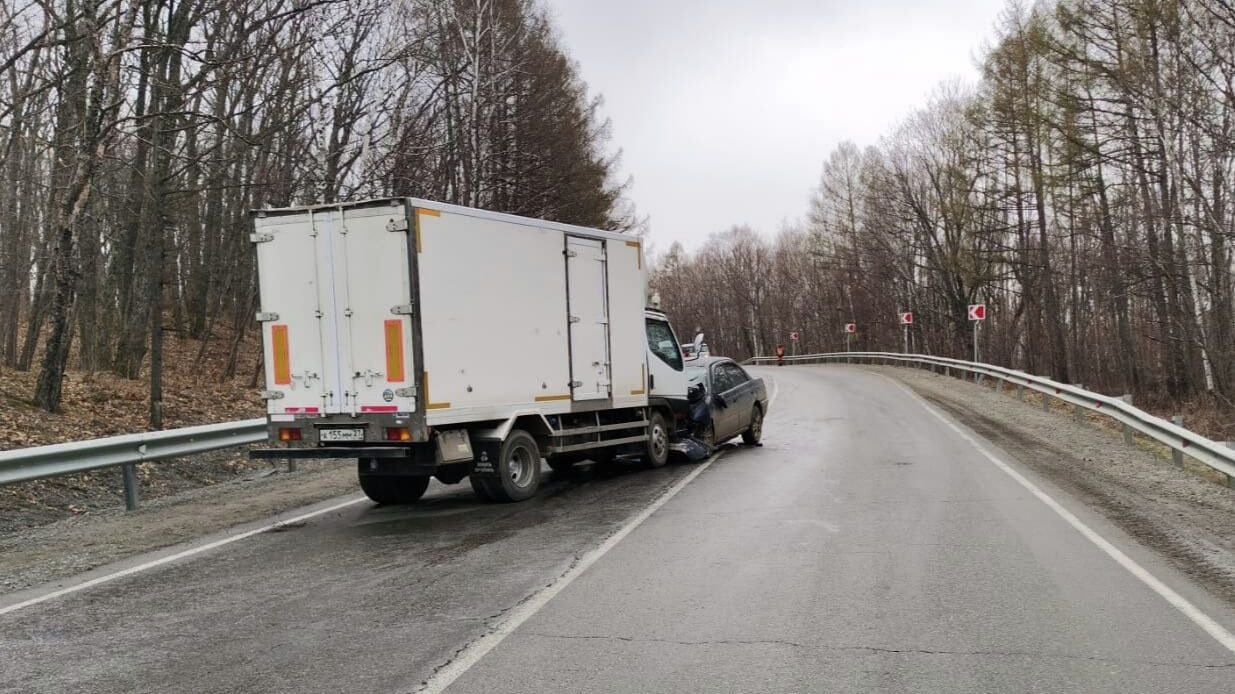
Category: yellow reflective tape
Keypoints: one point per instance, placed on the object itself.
(426, 212)
(282, 357)
(394, 350)
(643, 379)
(550, 398)
(638, 256)
(424, 386)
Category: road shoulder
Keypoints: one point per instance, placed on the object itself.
(69, 547)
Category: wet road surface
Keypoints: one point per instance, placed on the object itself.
(866, 547)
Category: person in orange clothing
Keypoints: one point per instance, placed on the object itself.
(780, 355)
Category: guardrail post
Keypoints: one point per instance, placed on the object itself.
(1046, 403)
(130, 487)
(1020, 392)
(1127, 397)
(977, 378)
(1230, 481)
(1080, 411)
(291, 464)
(1177, 456)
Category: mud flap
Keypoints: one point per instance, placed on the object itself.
(487, 452)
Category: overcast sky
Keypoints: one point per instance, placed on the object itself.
(726, 109)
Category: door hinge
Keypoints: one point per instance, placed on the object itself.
(575, 319)
(401, 309)
(576, 384)
(571, 254)
(399, 224)
(260, 238)
(272, 395)
(266, 317)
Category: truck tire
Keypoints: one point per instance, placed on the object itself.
(657, 449)
(518, 468)
(393, 489)
(754, 432)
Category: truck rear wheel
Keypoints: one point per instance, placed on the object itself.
(518, 469)
(657, 453)
(393, 489)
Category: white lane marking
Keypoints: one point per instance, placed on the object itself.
(174, 557)
(1204, 621)
(473, 652)
(775, 392)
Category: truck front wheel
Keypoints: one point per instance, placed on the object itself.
(657, 453)
(393, 489)
(518, 470)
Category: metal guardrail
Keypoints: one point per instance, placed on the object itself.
(1217, 456)
(40, 462)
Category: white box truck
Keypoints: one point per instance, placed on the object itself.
(425, 339)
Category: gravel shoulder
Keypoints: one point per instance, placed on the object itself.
(31, 554)
(1181, 513)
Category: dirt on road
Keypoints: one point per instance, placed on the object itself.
(1183, 515)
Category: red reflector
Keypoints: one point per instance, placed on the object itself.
(379, 408)
(398, 434)
(289, 434)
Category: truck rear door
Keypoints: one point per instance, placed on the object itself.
(588, 309)
(291, 290)
(373, 292)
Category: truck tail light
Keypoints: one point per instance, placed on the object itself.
(289, 434)
(398, 434)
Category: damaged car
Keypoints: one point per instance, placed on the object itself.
(725, 402)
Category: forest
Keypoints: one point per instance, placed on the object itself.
(1081, 188)
(137, 135)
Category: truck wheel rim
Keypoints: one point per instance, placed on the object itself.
(660, 441)
(519, 466)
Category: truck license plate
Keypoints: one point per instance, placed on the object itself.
(349, 434)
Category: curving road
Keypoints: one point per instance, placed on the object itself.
(869, 546)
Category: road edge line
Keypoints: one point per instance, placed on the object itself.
(473, 652)
(183, 554)
(1179, 602)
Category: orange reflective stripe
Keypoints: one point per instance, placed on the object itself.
(394, 350)
(282, 359)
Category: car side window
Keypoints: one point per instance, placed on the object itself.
(720, 379)
(736, 375)
(663, 343)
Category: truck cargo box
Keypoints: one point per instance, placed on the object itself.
(414, 314)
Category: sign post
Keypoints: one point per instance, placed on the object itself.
(906, 321)
(793, 338)
(977, 314)
(851, 329)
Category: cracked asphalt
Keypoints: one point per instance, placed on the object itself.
(864, 548)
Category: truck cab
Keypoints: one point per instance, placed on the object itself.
(666, 367)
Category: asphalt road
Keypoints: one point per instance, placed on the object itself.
(867, 547)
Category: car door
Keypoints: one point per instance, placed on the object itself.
(723, 415)
(740, 396)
